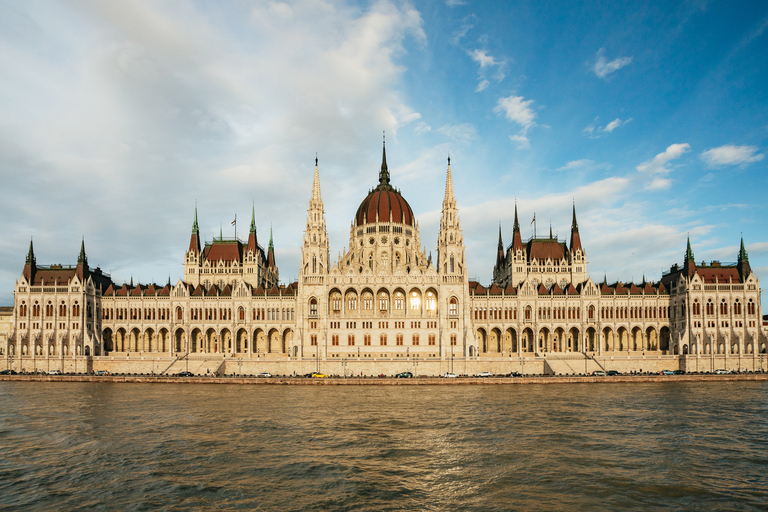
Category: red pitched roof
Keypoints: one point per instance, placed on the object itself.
(220, 250)
(547, 248)
(716, 274)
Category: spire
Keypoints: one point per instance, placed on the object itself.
(500, 251)
(30, 265)
(449, 184)
(31, 254)
(194, 240)
(743, 252)
(550, 230)
(316, 182)
(575, 238)
(271, 250)
(517, 241)
(82, 262)
(688, 251)
(252, 242)
(689, 266)
(384, 173)
(743, 262)
(81, 258)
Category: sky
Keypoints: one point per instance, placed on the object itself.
(119, 117)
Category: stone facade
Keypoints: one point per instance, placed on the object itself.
(385, 306)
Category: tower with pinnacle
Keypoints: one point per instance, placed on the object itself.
(450, 241)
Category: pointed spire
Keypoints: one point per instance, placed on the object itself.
(271, 251)
(82, 262)
(550, 230)
(449, 197)
(194, 240)
(316, 183)
(689, 266)
(743, 262)
(221, 232)
(688, 251)
(575, 238)
(31, 254)
(743, 252)
(517, 240)
(384, 173)
(81, 258)
(500, 251)
(253, 218)
(29, 265)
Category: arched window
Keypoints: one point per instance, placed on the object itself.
(399, 300)
(241, 313)
(383, 340)
(451, 266)
(431, 301)
(313, 307)
(415, 301)
(453, 307)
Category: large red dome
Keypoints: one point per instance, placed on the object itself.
(384, 200)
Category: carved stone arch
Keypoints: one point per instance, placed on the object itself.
(274, 341)
(510, 342)
(287, 338)
(482, 340)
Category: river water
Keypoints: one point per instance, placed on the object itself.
(99, 446)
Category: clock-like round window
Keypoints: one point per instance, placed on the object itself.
(397, 240)
(371, 241)
(383, 240)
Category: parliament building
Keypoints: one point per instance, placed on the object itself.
(385, 306)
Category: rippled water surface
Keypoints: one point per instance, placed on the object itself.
(97, 446)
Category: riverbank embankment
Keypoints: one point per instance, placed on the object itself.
(386, 381)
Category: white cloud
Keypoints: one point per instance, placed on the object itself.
(422, 128)
(658, 165)
(596, 132)
(731, 155)
(487, 63)
(603, 68)
(518, 110)
(460, 132)
(454, 3)
(576, 164)
(482, 58)
(522, 141)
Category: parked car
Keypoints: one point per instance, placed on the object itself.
(484, 374)
(667, 372)
(185, 374)
(598, 373)
(8, 372)
(450, 376)
(318, 375)
(721, 372)
(54, 372)
(264, 375)
(514, 374)
(679, 372)
(404, 375)
(612, 373)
